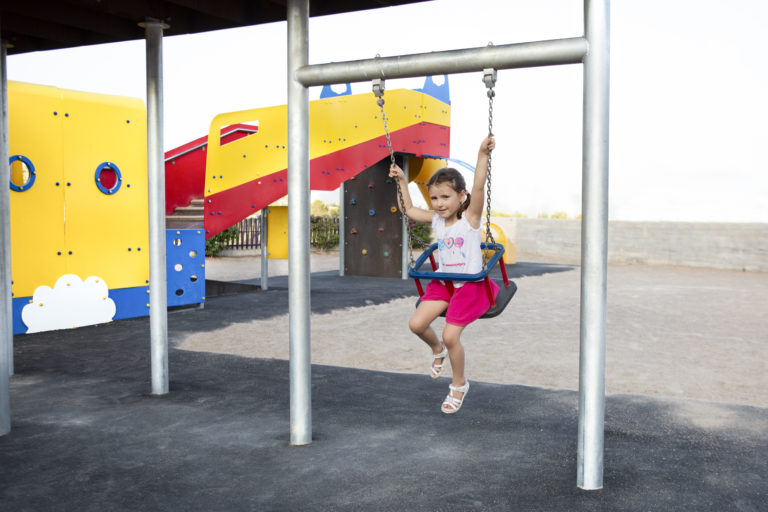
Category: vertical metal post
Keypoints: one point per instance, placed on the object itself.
(6, 305)
(406, 241)
(158, 300)
(264, 249)
(594, 246)
(298, 226)
(342, 233)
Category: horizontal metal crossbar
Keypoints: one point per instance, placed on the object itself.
(518, 55)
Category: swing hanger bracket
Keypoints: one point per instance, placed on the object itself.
(378, 87)
(489, 77)
(378, 90)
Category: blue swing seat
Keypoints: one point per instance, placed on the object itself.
(507, 288)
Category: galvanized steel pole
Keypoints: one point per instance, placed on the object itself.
(519, 55)
(298, 226)
(263, 235)
(594, 246)
(6, 304)
(342, 234)
(158, 300)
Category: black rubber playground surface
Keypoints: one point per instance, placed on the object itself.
(87, 435)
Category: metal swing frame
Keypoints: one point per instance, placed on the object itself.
(592, 50)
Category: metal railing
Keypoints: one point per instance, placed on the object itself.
(324, 233)
(248, 234)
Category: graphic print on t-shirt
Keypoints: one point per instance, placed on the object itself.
(452, 254)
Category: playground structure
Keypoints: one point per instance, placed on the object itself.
(79, 212)
(79, 203)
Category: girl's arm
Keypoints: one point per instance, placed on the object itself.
(413, 212)
(475, 211)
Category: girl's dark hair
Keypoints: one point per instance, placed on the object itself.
(454, 177)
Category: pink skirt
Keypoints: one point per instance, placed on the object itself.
(468, 303)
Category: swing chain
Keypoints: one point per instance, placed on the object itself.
(489, 77)
(378, 91)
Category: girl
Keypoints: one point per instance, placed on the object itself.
(456, 223)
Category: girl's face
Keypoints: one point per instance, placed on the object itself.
(445, 200)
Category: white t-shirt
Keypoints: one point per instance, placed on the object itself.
(458, 247)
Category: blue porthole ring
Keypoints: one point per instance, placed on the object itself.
(31, 181)
(118, 178)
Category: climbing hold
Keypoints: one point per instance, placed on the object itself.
(386, 254)
(365, 251)
(371, 186)
(352, 202)
(393, 209)
(371, 212)
(381, 229)
(353, 231)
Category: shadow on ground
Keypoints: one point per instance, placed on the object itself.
(87, 436)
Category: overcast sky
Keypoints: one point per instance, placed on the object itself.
(688, 95)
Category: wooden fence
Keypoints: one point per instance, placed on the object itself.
(322, 230)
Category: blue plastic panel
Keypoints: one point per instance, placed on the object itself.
(185, 266)
(328, 92)
(440, 92)
(130, 302)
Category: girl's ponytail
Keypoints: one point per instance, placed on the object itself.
(464, 205)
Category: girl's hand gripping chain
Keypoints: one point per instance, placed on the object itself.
(396, 172)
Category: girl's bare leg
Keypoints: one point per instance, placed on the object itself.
(420, 324)
(451, 338)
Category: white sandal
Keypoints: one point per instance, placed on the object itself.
(451, 404)
(436, 369)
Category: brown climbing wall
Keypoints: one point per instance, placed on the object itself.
(373, 238)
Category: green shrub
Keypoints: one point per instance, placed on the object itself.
(420, 231)
(324, 231)
(218, 242)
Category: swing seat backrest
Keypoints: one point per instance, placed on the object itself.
(415, 273)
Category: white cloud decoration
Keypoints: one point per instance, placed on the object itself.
(71, 303)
